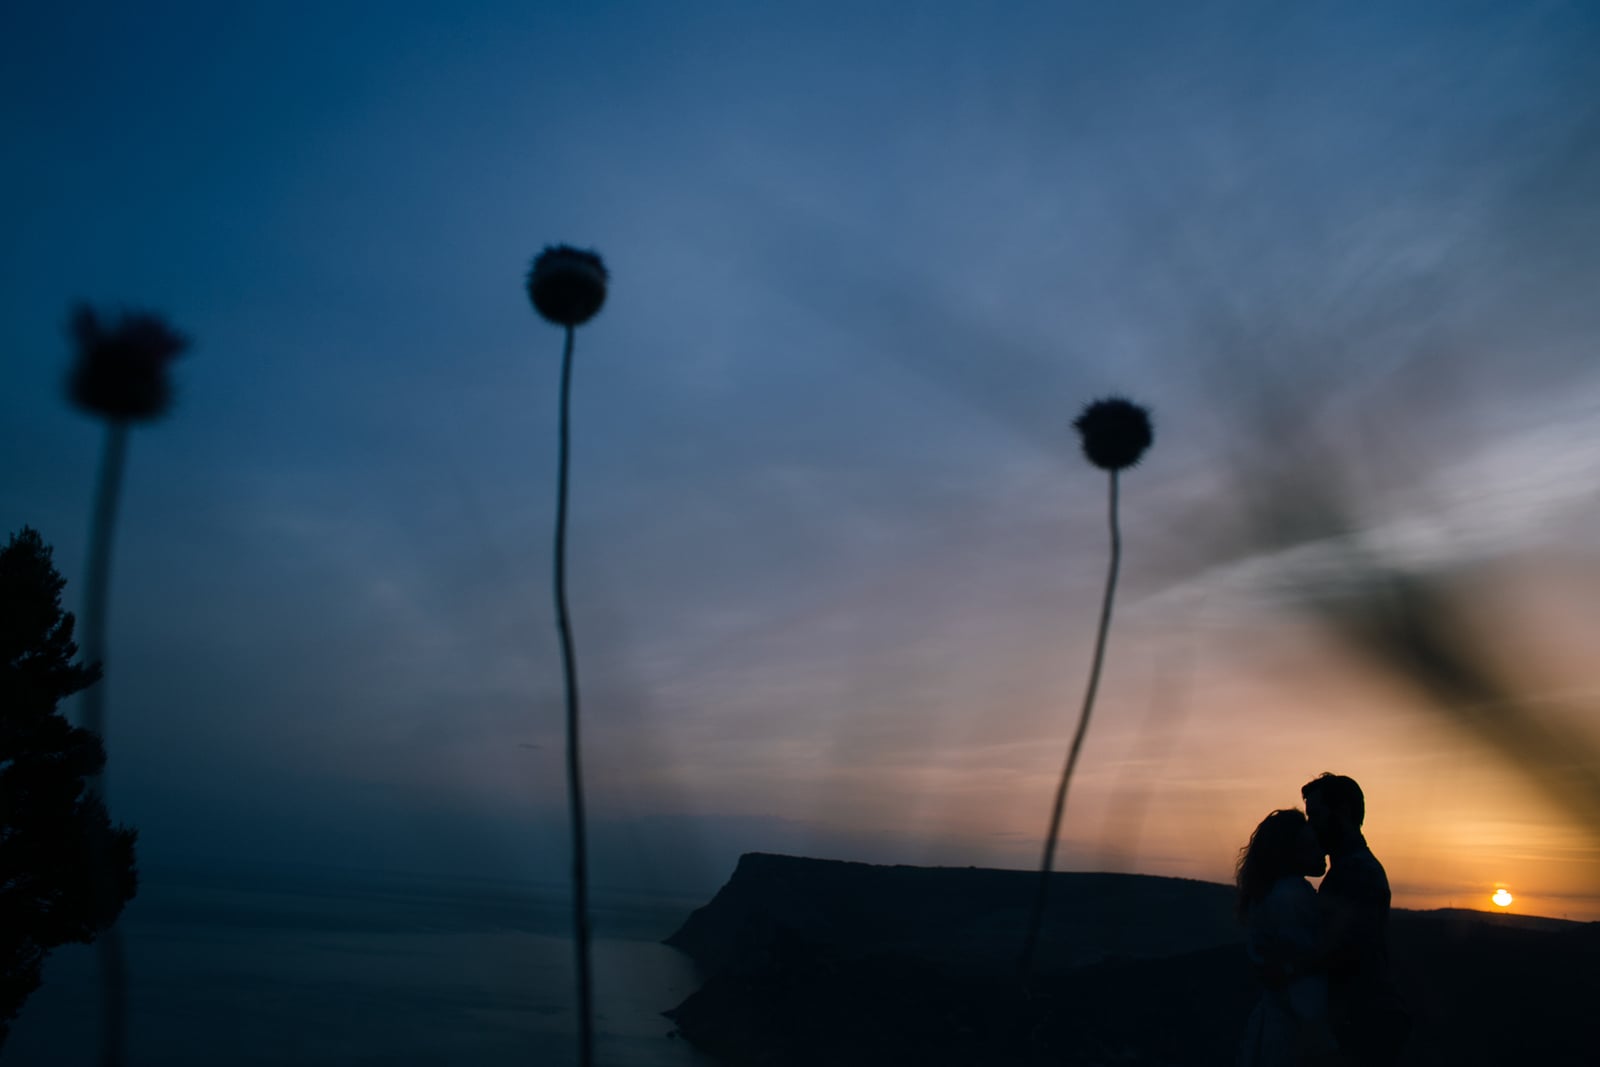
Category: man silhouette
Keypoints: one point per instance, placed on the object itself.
(1368, 1022)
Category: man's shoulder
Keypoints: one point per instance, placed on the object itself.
(1357, 873)
(1363, 859)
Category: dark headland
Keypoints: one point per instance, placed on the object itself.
(810, 961)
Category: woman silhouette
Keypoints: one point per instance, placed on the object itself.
(1283, 931)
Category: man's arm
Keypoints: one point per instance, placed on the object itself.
(1340, 942)
(1355, 905)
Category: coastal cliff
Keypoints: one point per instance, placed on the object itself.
(966, 920)
(816, 961)
(812, 961)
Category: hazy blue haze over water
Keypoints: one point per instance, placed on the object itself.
(320, 967)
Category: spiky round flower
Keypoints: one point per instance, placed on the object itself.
(1115, 432)
(121, 366)
(567, 285)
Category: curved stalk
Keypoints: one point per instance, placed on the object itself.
(108, 945)
(1041, 896)
(580, 856)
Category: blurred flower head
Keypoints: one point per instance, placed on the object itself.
(567, 285)
(121, 366)
(1115, 432)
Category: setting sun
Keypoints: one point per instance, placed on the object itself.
(1502, 897)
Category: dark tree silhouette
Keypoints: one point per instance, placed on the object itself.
(50, 824)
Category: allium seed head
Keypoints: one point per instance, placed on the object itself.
(1115, 432)
(121, 367)
(567, 285)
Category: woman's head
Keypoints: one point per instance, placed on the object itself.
(1282, 846)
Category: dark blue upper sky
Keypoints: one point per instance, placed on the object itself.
(835, 555)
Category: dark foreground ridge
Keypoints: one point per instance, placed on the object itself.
(813, 961)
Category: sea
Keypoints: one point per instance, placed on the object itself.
(324, 967)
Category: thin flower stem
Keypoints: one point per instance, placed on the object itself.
(1041, 897)
(580, 857)
(107, 491)
(113, 966)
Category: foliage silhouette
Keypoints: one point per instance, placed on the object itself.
(50, 824)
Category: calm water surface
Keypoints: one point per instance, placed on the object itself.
(320, 968)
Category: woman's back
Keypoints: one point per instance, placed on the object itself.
(1281, 929)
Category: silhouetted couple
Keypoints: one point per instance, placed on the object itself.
(1322, 954)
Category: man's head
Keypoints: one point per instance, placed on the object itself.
(1335, 808)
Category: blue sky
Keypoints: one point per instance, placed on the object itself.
(835, 557)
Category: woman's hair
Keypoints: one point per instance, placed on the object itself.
(1274, 851)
